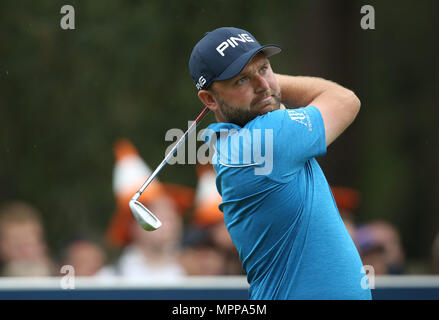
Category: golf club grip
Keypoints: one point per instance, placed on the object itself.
(200, 117)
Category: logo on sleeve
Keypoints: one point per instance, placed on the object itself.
(300, 117)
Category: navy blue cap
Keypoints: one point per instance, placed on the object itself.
(222, 54)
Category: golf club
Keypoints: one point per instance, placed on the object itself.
(145, 217)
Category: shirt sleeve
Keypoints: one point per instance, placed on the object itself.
(298, 136)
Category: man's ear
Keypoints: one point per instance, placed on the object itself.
(208, 99)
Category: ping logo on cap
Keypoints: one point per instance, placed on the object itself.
(201, 83)
(222, 53)
(233, 42)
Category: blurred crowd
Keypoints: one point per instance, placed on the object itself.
(193, 239)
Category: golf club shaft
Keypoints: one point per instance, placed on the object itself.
(171, 153)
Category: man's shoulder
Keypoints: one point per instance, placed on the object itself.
(219, 126)
(268, 119)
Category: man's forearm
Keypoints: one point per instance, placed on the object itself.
(337, 105)
(300, 91)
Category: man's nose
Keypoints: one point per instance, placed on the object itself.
(260, 84)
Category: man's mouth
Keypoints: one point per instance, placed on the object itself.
(264, 105)
(264, 100)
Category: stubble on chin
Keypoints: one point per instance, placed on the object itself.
(241, 115)
(273, 105)
(236, 115)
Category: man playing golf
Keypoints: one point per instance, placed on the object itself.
(283, 220)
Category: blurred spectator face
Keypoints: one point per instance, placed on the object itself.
(22, 241)
(86, 257)
(375, 257)
(221, 236)
(381, 235)
(223, 241)
(203, 260)
(168, 235)
(387, 235)
(23, 251)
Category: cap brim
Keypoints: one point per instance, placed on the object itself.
(236, 66)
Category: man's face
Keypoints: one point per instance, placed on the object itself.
(253, 92)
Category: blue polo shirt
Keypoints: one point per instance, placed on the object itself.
(279, 209)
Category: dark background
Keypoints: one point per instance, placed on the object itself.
(66, 95)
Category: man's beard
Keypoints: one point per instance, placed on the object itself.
(241, 115)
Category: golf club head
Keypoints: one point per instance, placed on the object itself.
(144, 217)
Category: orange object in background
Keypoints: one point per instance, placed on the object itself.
(129, 174)
(207, 198)
(347, 199)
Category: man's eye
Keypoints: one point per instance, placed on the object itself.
(264, 69)
(241, 80)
